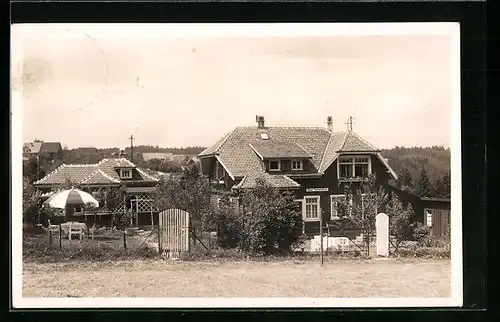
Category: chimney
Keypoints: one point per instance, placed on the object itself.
(260, 121)
(329, 123)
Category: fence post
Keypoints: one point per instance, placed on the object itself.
(159, 235)
(50, 237)
(60, 236)
(125, 240)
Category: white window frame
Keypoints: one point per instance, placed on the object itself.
(301, 201)
(78, 213)
(218, 203)
(279, 165)
(428, 215)
(332, 197)
(304, 208)
(301, 165)
(123, 171)
(353, 163)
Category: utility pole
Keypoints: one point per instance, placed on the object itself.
(321, 232)
(131, 148)
(37, 167)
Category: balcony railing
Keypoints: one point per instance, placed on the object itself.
(352, 179)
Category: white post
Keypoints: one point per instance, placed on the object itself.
(382, 230)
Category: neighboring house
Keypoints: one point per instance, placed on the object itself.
(315, 162)
(107, 173)
(433, 212)
(53, 150)
(31, 149)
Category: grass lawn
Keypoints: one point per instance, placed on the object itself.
(293, 278)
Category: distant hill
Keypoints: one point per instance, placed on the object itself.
(435, 161)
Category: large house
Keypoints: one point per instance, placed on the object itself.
(315, 162)
(107, 173)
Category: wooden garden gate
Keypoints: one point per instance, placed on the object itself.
(173, 232)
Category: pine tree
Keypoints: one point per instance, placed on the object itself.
(446, 181)
(424, 186)
(405, 181)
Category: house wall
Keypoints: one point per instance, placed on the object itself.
(329, 180)
(286, 167)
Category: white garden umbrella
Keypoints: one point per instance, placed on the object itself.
(70, 197)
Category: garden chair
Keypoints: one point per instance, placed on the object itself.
(53, 228)
(74, 230)
(92, 229)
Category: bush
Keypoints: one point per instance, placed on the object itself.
(270, 222)
(39, 250)
(425, 252)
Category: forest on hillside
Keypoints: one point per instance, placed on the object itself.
(422, 170)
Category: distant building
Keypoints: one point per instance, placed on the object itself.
(36, 148)
(167, 156)
(157, 155)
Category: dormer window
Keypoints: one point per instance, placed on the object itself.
(264, 136)
(297, 165)
(274, 165)
(354, 167)
(125, 174)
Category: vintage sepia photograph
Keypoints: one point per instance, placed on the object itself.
(236, 165)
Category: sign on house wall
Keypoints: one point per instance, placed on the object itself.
(316, 189)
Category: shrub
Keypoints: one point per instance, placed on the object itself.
(39, 250)
(425, 252)
(269, 223)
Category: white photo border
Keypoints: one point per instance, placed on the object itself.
(22, 31)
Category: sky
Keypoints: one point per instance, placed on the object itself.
(83, 89)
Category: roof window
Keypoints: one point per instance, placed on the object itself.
(264, 136)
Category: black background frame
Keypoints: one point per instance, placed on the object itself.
(472, 19)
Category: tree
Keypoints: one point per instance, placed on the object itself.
(405, 181)
(400, 219)
(270, 220)
(114, 197)
(424, 186)
(31, 201)
(360, 207)
(446, 185)
(189, 192)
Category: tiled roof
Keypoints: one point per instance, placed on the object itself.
(274, 149)
(240, 151)
(331, 152)
(104, 172)
(354, 143)
(34, 147)
(278, 181)
(50, 147)
(99, 177)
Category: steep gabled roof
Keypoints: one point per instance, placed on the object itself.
(240, 151)
(50, 147)
(275, 149)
